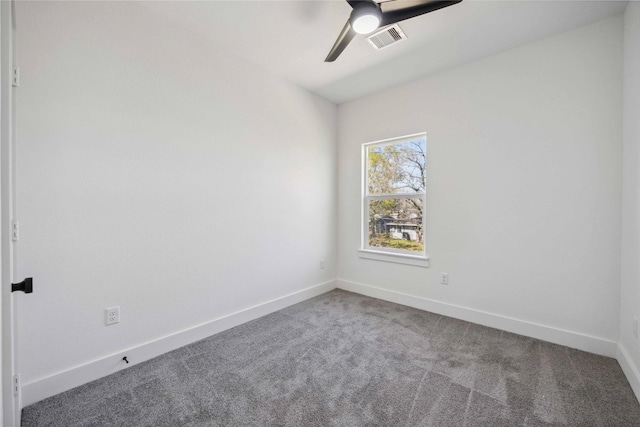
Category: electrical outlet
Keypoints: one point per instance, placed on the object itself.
(635, 327)
(444, 278)
(322, 264)
(112, 315)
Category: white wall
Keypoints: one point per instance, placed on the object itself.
(630, 289)
(157, 173)
(524, 201)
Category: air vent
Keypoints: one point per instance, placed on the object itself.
(386, 37)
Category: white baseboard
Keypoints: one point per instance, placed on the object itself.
(577, 340)
(82, 374)
(630, 369)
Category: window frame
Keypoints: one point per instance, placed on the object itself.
(394, 255)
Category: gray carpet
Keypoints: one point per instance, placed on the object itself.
(343, 359)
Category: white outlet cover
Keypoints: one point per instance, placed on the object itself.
(112, 315)
(444, 278)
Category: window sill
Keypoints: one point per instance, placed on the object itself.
(419, 261)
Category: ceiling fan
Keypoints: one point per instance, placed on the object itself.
(368, 15)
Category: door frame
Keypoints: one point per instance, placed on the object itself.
(10, 408)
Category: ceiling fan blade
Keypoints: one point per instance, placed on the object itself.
(400, 10)
(353, 3)
(402, 4)
(346, 35)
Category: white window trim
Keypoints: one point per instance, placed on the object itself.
(387, 254)
(419, 261)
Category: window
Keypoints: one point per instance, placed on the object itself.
(394, 181)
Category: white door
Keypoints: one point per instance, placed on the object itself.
(10, 409)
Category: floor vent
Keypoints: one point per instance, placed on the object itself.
(386, 37)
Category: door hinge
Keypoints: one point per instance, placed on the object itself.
(15, 79)
(16, 384)
(15, 231)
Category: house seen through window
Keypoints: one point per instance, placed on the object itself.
(394, 195)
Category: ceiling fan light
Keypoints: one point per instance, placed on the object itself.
(365, 18)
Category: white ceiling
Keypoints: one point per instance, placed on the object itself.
(292, 38)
